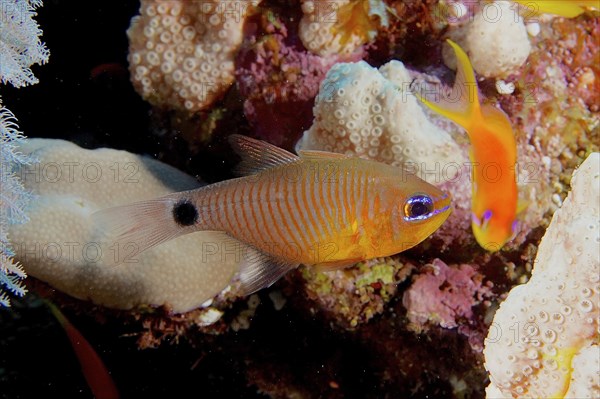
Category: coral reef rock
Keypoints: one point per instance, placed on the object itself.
(543, 331)
(181, 53)
(372, 113)
(495, 38)
(61, 245)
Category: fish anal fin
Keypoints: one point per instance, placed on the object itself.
(258, 155)
(336, 265)
(313, 155)
(260, 270)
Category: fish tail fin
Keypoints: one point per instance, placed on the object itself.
(461, 104)
(567, 9)
(139, 226)
(499, 122)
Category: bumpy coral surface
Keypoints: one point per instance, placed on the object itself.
(181, 53)
(372, 113)
(495, 39)
(62, 246)
(340, 26)
(544, 324)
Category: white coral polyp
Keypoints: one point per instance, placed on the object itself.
(496, 40)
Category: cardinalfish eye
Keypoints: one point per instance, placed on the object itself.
(418, 207)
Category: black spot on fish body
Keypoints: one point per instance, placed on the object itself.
(185, 213)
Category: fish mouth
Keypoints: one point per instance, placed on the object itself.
(443, 208)
(443, 204)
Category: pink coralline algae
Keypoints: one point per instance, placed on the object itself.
(445, 295)
(279, 80)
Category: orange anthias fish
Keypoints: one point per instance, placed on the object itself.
(321, 209)
(493, 156)
(568, 9)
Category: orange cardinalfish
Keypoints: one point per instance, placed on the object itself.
(493, 156)
(568, 9)
(321, 209)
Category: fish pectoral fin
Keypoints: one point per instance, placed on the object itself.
(313, 155)
(260, 270)
(336, 265)
(258, 155)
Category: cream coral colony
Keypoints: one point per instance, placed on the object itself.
(181, 53)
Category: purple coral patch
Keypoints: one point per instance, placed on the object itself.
(279, 80)
(444, 294)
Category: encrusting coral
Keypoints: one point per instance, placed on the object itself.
(444, 294)
(354, 296)
(62, 247)
(543, 326)
(372, 113)
(181, 53)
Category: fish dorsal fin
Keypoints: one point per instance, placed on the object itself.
(260, 270)
(258, 155)
(313, 155)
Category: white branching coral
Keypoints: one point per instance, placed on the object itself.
(13, 198)
(20, 44)
(20, 48)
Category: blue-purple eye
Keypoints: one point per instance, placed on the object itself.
(418, 207)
